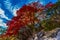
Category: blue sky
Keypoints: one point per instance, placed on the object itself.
(8, 8)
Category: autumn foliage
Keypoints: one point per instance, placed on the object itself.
(25, 15)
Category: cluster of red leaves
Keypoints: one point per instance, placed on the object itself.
(49, 5)
(24, 16)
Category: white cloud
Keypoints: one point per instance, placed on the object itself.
(31, 1)
(41, 3)
(9, 6)
(14, 12)
(2, 15)
(2, 24)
